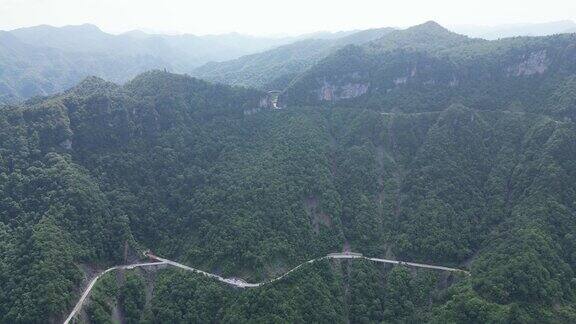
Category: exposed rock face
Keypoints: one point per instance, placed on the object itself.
(331, 92)
(67, 144)
(318, 217)
(535, 63)
(251, 111)
(327, 92)
(454, 82)
(353, 90)
(400, 80)
(271, 100)
(264, 102)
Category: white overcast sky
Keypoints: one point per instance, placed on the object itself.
(266, 17)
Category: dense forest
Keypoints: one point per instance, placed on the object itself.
(207, 175)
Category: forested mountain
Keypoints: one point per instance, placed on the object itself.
(45, 60)
(426, 67)
(189, 170)
(27, 70)
(275, 68)
(452, 151)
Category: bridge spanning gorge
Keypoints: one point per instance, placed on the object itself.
(236, 282)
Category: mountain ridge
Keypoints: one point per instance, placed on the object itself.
(515, 30)
(275, 69)
(420, 145)
(58, 57)
(394, 70)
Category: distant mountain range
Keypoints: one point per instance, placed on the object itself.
(278, 67)
(275, 68)
(512, 30)
(43, 60)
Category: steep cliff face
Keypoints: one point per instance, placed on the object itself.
(532, 63)
(500, 73)
(333, 92)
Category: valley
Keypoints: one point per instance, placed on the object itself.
(446, 163)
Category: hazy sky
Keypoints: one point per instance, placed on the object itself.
(264, 17)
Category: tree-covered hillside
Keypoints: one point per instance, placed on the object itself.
(203, 174)
(427, 68)
(276, 68)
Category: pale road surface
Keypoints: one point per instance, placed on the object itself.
(91, 284)
(243, 284)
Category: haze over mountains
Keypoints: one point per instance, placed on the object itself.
(275, 68)
(419, 144)
(44, 60)
(503, 31)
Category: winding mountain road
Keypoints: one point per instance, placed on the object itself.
(241, 283)
(93, 282)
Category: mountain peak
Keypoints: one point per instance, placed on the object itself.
(430, 24)
(52, 29)
(136, 33)
(429, 27)
(428, 36)
(93, 85)
(83, 27)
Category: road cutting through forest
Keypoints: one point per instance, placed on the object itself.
(236, 282)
